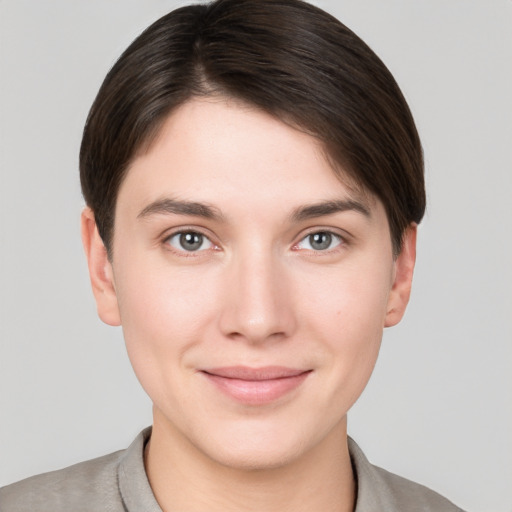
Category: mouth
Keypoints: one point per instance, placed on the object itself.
(256, 386)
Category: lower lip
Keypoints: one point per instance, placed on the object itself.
(257, 392)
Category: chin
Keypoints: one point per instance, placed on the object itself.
(258, 446)
(256, 456)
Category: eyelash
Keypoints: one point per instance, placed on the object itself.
(338, 239)
(332, 237)
(182, 251)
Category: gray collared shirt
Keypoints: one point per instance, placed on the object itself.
(118, 483)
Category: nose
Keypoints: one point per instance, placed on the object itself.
(258, 306)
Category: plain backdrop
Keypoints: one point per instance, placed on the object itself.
(439, 406)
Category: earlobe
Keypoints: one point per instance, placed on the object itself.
(404, 269)
(100, 270)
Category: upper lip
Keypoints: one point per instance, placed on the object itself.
(254, 374)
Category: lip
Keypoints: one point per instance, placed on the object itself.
(256, 386)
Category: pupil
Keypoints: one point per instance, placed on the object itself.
(191, 241)
(320, 241)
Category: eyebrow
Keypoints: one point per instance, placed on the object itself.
(196, 209)
(177, 207)
(329, 208)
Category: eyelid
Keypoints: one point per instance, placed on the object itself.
(341, 235)
(168, 234)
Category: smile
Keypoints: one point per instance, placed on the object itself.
(256, 386)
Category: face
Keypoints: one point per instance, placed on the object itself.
(251, 283)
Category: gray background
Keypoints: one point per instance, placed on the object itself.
(438, 408)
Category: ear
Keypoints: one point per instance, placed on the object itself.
(100, 270)
(402, 282)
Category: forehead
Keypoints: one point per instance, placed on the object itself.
(221, 150)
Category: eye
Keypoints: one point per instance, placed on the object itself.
(189, 241)
(320, 241)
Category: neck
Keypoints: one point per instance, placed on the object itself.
(183, 478)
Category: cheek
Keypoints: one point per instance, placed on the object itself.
(155, 297)
(350, 299)
(163, 313)
(348, 316)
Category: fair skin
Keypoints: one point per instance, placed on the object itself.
(253, 286)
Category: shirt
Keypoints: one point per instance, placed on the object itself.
(118, 483)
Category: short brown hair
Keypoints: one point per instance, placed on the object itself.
(286, 57)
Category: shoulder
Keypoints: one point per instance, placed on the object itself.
(379, 489)
(88, 485)
(412, 496)
(114, 483)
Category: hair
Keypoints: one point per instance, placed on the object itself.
(285, 57)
